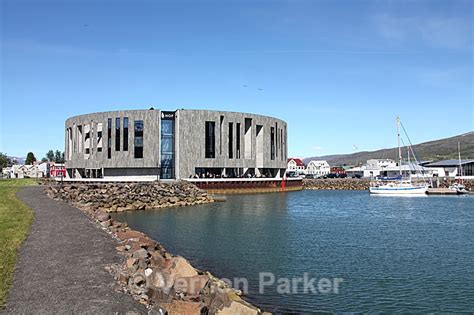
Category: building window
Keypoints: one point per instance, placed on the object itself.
(210, 140)
(117, 134)
(99, 137)
(281, 144)
(231, 140)
(138, 139)
(221, 131)
(109, 138)
(87, 140)
(248, 138)
(125, 133)
(272, 143)
(237, 134)
(80, 139)
(276, 139)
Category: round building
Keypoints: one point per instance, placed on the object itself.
(155, 144)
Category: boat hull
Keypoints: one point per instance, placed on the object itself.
(419, 190)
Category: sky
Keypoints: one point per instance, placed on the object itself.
(338, 72)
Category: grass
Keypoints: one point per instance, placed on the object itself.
(15, 221)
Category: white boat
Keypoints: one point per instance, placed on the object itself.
(458, 186)
(398, 186)
(399, 189)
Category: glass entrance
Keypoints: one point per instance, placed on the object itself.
(167, 146)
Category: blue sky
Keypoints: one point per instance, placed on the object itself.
(338, 72)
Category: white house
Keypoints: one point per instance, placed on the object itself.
(318, 168)
(295, 165)
(388, 168)
(450, 168)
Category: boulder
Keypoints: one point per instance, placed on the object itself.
(103, 217)
(239, 308)
(190, 286)
(181, 268)
(182, 307)
(140, 254)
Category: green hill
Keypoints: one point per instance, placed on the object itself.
(436, 150)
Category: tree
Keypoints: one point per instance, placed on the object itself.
(50, 155)
(44, 160)
(57, 157)
(4, 160)
(30, 158)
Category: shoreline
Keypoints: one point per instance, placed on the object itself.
(151, 275)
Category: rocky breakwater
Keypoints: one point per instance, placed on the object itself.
(168, 283)
(336, 184)
(129, 196)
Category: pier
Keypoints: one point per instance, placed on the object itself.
(247, 185)
(441, 191)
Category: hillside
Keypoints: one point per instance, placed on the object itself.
(433, 150)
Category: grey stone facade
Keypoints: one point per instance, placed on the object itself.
(242, 144)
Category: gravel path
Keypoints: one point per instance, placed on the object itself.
(61, 264)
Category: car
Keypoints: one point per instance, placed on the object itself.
(291, 174)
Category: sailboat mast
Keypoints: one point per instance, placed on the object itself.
(399, 149)
(460, 165)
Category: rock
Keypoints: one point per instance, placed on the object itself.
(103, 217)
(173, 199)
(138, 279)
(238, 308)
(148, 272)
(106, 223)
(191, 286)
(156, 310)
(182, 307)
(157, 260)
(121, 248)
(121, 277)
(132, 264)
(140, 254)
(159, 296)
(182, 268)
(157, 280)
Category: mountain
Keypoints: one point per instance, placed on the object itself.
(20, 160)
(436, 150)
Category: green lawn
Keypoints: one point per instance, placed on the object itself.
(15, 221)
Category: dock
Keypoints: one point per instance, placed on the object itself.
(441, 191)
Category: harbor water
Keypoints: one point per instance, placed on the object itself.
(407, 254)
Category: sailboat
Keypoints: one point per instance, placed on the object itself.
(458, 186)
(398, 185)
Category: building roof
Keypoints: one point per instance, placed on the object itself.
(318, 162)
(298, 162)
(448, 163)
